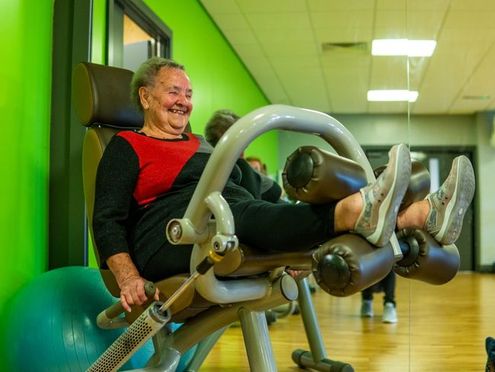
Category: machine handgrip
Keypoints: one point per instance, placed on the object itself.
(109, 318)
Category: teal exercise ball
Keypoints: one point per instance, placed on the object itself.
(51, 323)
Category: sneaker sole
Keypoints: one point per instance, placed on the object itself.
(387, 212)
(389, 321)
(456, 209)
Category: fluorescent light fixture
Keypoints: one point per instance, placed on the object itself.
(403, 47)
(392, 95)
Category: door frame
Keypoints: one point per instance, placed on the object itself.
(67, 232)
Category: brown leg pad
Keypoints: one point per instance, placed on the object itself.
(425, 259)
(348, 264)
(316, 176)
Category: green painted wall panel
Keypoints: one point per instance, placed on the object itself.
(98, 55)
(98, 38)
(24, 144)
(219, 78)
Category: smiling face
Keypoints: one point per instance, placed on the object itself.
(167, 105)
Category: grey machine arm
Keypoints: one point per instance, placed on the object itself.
(195, 227)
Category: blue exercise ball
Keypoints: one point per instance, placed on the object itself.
(51, 323)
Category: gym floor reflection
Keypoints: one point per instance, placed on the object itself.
(440, 328)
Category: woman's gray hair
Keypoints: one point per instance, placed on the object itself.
(146, 74)
(218, 124)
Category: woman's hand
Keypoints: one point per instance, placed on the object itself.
(132, 292)
(131, 284)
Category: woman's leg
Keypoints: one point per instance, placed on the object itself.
(372, 213)
(367, 302)
(283, 227)
(367, 294)
(388, 284)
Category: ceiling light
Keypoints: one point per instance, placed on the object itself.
(403, 47)
(392, 95)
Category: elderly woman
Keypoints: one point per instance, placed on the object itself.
(147, 177)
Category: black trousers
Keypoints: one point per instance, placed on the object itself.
(262, 225)
(387, 285)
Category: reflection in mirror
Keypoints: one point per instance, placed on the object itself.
(452, 117)
(318, 55)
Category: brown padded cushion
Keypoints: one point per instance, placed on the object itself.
(246, 261)
(95, 141)
(427, 260)
(317, 176)
(348, 264)
(102, 96)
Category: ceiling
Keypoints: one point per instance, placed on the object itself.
(317, 53)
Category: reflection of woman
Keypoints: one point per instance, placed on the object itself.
(387, 285)
(146, 178)
(258, 184)
(256, 164)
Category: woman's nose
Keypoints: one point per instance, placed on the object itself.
(183, 99)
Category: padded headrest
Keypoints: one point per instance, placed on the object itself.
(102, 96)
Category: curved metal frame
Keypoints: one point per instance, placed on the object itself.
(220, 165)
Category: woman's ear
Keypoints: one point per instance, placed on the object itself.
(144, 97)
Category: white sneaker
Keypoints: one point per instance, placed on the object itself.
(367, 309)
(450, 202)
(389, 313)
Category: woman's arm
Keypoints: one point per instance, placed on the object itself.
(115, 182)
(131, 284)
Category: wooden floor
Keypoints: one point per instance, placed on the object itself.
(440, 328)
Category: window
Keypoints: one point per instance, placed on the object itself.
(135, 33)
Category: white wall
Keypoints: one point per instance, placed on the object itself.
(374, 130)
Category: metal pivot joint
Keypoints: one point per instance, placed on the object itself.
(182, 230)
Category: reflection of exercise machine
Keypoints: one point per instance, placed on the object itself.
(205, 302)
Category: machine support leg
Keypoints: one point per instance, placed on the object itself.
(257, 341)
(316, 358)
(310, 322)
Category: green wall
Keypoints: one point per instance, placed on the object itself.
(218, 77)
(219, 80)
(98, 37)
(25, 52)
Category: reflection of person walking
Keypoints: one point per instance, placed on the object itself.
(387, 285)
